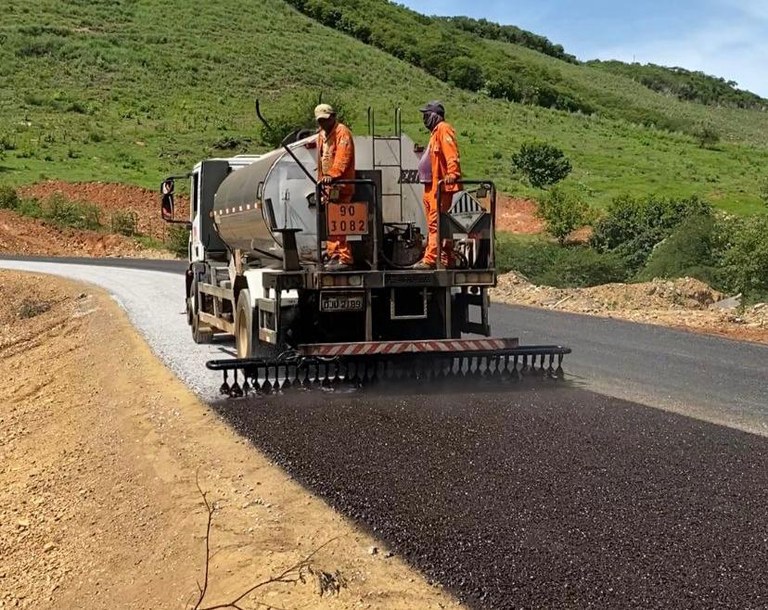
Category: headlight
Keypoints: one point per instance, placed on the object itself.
(355, 280)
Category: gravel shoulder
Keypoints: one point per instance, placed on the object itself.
(100, 450)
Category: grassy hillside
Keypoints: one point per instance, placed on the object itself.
(130, 90)
(514, 72)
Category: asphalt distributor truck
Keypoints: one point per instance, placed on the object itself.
(257, 229)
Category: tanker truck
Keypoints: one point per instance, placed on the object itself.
(258, 225)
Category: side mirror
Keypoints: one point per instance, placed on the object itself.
(312, 200)
(167, 205)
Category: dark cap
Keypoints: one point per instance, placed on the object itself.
(436, 107)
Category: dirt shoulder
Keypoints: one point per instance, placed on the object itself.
(684, 303)
(100, 446)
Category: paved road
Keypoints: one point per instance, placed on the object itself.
(711, 378)
(717, 379)
(539, 497)
(536, 498)
(170, 266)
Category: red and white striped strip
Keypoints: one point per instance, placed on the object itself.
(407, 347)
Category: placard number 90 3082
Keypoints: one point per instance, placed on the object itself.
(347, 219)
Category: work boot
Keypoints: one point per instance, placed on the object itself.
(336, 265)
(423, 266)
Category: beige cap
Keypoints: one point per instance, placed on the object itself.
(324, 111)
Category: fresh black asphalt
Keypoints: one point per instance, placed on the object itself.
(538, 497)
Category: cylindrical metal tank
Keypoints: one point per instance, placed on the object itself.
(273, 193)
(270, 193)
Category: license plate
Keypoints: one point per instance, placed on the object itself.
(331, 301)
(347, 218)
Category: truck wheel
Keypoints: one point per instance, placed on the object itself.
(246, 331)
(201, 333)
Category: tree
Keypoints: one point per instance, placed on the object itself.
(541, 163)
(563, 211)
(707, 136)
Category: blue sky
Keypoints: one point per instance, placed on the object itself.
(727, 38)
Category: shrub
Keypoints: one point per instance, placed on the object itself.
(178, 240)
(526, 256)
(745, 259)
(632, 227)
(547, 263)
(563, 211)
(31, 308)
(9, 198)
(232, 143)
(66, 213)
(764, 192)
(124, 223)
(706, 136)
(6, 143)
(299, 115)
(30, 207)
(541, 163)
(690, 251)
(582, 266)
(466, 74)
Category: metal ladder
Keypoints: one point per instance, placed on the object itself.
(396, 137)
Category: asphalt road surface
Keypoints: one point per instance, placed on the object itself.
(540, 497)
(537, 498)
(716, 379)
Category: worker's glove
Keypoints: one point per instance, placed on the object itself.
(450, 179)
(326, 180)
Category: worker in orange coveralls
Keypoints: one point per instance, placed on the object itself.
(440, 162)
(335, 161)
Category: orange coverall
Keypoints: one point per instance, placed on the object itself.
(336, 158)
(444, 158)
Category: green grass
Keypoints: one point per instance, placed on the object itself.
(133, 90)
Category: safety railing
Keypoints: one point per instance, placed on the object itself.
(491, 186)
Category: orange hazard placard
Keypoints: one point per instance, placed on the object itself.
(347, 218)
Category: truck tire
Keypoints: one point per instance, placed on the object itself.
(246, 328)
(201, 333)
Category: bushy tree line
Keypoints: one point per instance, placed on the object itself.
(449, 50)
(632, 227)
(512, 34)
(654, 237)
(687, 85)
(635, 239)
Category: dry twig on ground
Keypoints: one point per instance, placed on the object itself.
(327, 583)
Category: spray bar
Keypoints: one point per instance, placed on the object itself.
(295, 370)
